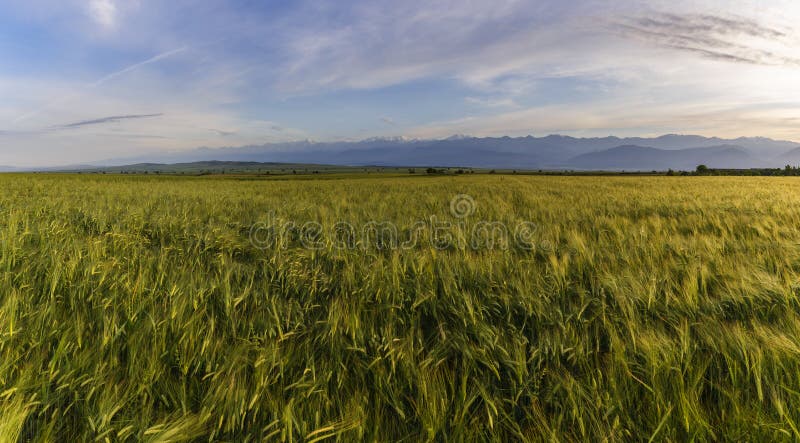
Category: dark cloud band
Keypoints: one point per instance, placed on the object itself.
(111, 119)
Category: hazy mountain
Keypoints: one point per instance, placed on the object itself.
(791, 157)
(550, 152)
(488, 152)
(211, 167)
(633, 157)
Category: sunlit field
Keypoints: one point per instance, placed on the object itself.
(142, 308)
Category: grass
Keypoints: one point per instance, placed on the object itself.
(136, 308)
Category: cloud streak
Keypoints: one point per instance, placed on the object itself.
(222, 133)
(734, 40)
(105, 120)
(136, 66)
(100, 82)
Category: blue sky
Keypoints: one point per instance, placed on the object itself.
(84, 80)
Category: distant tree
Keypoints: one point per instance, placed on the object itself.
(702, 169)
(492, 172)
(460, 171)
(670, 172)
(412, 171)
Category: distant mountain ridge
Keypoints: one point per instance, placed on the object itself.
(633, 157)
(550, 152)
(791, 157)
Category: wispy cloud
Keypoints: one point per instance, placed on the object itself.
(387, 42)
(99, 82)
(136, 66)
(491, 102)
(104, 120)
(707, 24)
(736, 40)
(222, 133)
(140, 136)
(92, 122)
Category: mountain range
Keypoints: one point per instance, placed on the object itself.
(642, 158)
(678, 152)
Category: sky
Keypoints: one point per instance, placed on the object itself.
(87, 80)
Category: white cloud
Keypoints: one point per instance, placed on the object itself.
(104, 12)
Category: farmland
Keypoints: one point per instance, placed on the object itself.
(144, 308)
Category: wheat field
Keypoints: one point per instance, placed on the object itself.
(142, 308)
